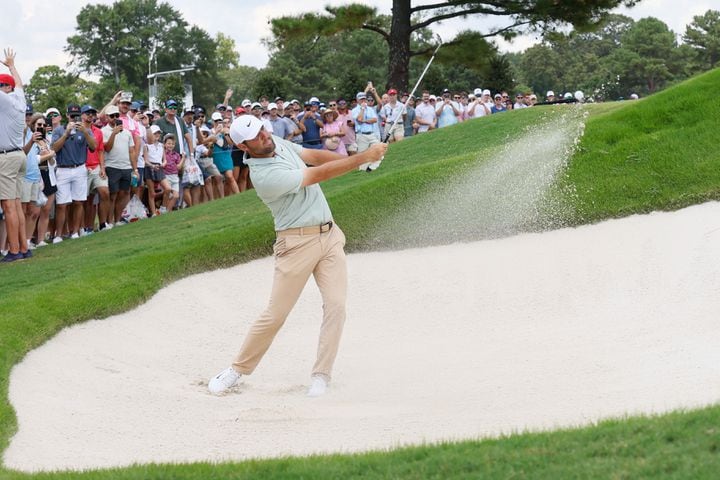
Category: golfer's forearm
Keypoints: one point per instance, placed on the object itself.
(333, 169)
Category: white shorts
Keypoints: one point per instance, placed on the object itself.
(29, 191)
(71, 184)
(174, 180)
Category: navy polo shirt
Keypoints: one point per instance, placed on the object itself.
(74, 151)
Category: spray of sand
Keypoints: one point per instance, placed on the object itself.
(514, 190)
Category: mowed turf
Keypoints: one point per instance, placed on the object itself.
(657, 153)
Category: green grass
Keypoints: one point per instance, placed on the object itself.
(657, 153)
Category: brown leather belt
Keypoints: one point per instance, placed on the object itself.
(311, 230)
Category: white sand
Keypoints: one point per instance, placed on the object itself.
(464, 341)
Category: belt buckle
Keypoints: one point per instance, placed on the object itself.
(328, 225)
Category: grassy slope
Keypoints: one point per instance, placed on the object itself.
(658, 153)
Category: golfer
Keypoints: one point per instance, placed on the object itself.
(308, 242)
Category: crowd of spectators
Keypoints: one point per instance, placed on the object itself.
(89, 170)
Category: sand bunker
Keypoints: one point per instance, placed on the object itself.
(531, 332)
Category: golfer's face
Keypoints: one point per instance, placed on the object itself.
(262, 145)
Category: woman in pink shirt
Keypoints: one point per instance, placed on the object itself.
(332, 132)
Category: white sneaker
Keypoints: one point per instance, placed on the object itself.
(223, 381)
(31, 245)
(318, 387)
(74, 236)
(57, 239)
(42, 244)
(162, 210)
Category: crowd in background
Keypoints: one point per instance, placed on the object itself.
(89, 170)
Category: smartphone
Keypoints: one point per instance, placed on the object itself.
(118, 122)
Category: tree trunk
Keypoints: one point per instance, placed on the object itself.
(399, 46)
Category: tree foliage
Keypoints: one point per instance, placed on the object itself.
(703, 35)
(51, 86)
(408, 19)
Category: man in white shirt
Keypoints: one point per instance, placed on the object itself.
(425, 114)
(393, 114)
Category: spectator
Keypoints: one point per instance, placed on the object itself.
(365, 117)
(520, 101)
(410, 123)
(312, 124)
(458, 101)
(447, 110)
(54, 117)
(282, 127)
(154, 173)
(12, 158)
(170, 124)
(532, 100)
(394, 116)
(222, 155)
(32, 182)
(192, 180)
(96, 175)
(477, 108)
(332, 132)
(425, 115)
(345, 117)
(120, 164)
(550, 97)
(211, 175)
(499, 106)
(173, 164)
(143, 122)
(71, 144)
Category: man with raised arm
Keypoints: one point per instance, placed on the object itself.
(308, 242)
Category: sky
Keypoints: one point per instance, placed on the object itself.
(38, 30)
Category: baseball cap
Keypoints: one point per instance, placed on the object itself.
(245, 127)
(314, 100)
(28, 109)
(87, 108)
(497, 95)
(392, 91)
(533, 97)
(73, 109)
(239, 110)
(255, 105)
(189, 111)
(272, 105)
(568, 95)
(279, 99)
(216, 116)
(486, 92)
(432, 97)
(5, 78)
(477, 92)
(111, 110)
(295, 100)
(360, 96)
(170, 103)
(221, 107)
(550, 93)
(135, 106)
(154, 129)
(246, 102)
(126, 97)
(634, 96)
(52, 110)
(445, 91)
(168, 136)
(199, 109)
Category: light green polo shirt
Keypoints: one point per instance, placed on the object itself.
(277, 181)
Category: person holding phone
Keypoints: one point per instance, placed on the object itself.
(71, 143)
(120, 163)
(32, 182)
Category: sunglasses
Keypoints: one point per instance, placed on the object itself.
(332, 105)
(4, 85)
(53, 115)
(114, 115)
(456, 98)
(41, 125)
(505, 96)
(171, 107)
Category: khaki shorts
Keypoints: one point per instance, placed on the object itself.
(12, 172)
(29, 191)
(94, 181)
(397, 134)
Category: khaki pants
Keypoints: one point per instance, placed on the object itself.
(296, 257)
(365, 141)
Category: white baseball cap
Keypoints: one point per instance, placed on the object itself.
(314, 99)
(155, 129)
(477, 92)
(272, 105)
(246, 102)
(216, 116)
(550, 93)
(52, 110)
(486, 92)
(245, 127)
(255, 105)
(112, 109)
(579, 95)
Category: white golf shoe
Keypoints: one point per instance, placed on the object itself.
(318, 387)
(223, 381)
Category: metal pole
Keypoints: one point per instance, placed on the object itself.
(392, 125)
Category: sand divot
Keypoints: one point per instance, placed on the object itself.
(535, 331)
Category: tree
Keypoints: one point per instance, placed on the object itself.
(51, 86)
(172, 87)
(703, 35)
(408, 19)
(116, 40)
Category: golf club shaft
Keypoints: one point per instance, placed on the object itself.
(417, 84)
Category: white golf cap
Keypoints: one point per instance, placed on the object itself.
(52, 110)
(255, 105)
(272, 105)
(477, 92)
(433, 97)
(486, 92)
(314, 99)
(155, 129)
(550, 93)
(246, 102)
(111, 110)
(245, 127)
(579, 95)
(216, 116)
(126, 97)
(295, 100)
(634, 96)
(568, 95)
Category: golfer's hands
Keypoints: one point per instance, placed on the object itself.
(376, 152)
(9, 58)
